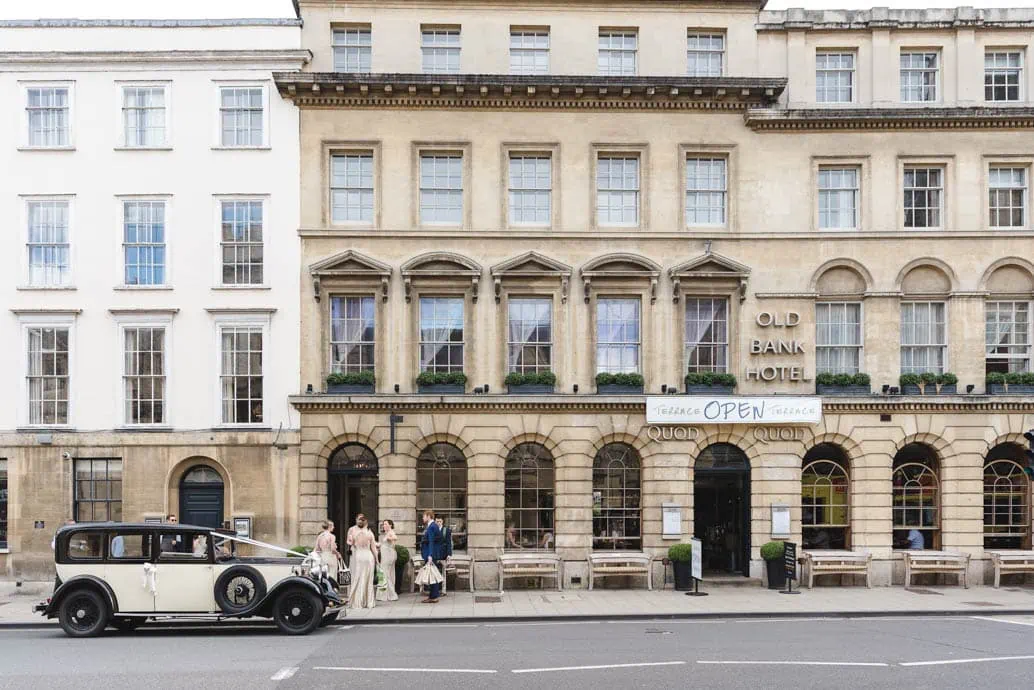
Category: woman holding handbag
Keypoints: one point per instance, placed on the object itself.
(388, 558)
(363, 566)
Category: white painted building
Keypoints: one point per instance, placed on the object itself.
(148, 268)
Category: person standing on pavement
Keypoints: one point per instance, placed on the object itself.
(363, 566)
(446, 552)
(430, 549)
(326, 549)
(388, 558)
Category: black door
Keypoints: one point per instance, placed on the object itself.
(352, 488)
(201, 498)
(721, 509)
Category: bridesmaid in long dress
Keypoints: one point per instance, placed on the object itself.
(326, 549)
(388, 558)
(363, 565)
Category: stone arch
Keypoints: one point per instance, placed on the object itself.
(926, 275)
(175, 476)
(851, 448)
(336, 442)
(841, 276)
(529, 437)
(1009, 275)
(1014, 437)
(941, 448)
(621, 262)
(440, 261)
(419, 445)
(742, 442)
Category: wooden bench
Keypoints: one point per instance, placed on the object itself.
(530, 564)
(603, 564)
(837, 562)
(947, 562)
(1008, 562)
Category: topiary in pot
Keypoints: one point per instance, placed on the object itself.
(680, 556)
(401, 558)
(773, 552)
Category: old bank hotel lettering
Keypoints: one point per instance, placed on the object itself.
(779, 338)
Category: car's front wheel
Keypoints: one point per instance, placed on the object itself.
(83, 613)
(298, 611)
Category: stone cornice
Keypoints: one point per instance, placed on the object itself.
(269, 58)
(487, 91)
(771, 119)
(637, 5)
(145, 23)
(797, 19)
(533, 404)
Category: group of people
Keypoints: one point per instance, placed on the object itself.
(367, 554)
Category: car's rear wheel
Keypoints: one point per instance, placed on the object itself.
(298, 611)
(126, 624)
(83, 613)
(239, 588)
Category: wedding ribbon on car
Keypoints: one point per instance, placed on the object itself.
(150, 578)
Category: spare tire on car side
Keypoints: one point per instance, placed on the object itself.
(239, 588)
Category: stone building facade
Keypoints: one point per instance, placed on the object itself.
(659, 189)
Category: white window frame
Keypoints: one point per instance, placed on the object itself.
(912, 70)
(143, 320)
(121, 125)
(638, 343)
(218, 243)
(353, 153)
(24, 236)
(837, 191)
(639, 157)
(839, 70)
(433, 51)
(67, 321)
(1020, 90)
(861, 333)
(465, 352)
(121, 243)
(435, 153)
(724, 191)
(1029, 356)
(332, 366)
(706, 52)
(242, 320)
(716, 344)
(619, 52)
(363, 45)
(25, 139)
(521, 34)
(547, 345)
(927, 345)
(511, 190)
(1024, 190)
(266, 118)
(942, 194)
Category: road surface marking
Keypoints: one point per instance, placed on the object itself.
(781, 620)
(593, 668)
(404, 670)
(1001, 620)
(966, 661)
(343, 628)
(284, 673)
(526, 625)
(796, 663)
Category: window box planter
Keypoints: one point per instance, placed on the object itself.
(911, 389)
(1013, 383)
(530, 389)
(948, 389)
(843, 384)
(833, 389)
(618, 389)
(709, 384)
(710, 390)
(928, 384)
(442, 388)
(442, 383)
(540, 383)
(349, 388)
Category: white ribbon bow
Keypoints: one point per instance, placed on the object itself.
(150, 578)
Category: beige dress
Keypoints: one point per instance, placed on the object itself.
(362, 565)
(388, 558)
(326, 549)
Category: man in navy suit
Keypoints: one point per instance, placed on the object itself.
(430, 549)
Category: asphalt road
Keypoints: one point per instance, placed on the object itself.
(963, 652)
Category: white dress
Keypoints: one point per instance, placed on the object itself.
(328, 556)
(361, 592)
(388, 558)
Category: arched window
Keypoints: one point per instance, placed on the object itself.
(441, 486)
(202, 474)
(353, 458)
(529, 488)
(916, 498)
(825, 498)
(616, 498)
(1006, 499)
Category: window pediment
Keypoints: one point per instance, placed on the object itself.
(531, 265)
(350, 264)
(621, 267)
(444, 266)
(710, 267)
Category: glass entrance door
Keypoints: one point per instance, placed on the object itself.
(721, 509)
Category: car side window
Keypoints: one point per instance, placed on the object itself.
(184, 546)
(86, 546)
(129, 547)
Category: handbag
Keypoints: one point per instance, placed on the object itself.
(344, 575)
(428, 575)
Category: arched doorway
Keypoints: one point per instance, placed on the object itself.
(201, 497)
(721, 508)
(353, 488)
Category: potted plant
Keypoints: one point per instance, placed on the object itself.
(709, 383)
(772, 552)
(303, 550)
(351, 382)
(1012, 383)
(444, 382)
(533, 382)
(680, 556)
(947, 383)
(618, 384)
(910, 384)
(842, 384)
(401, 558)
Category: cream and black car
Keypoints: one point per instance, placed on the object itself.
(121, 575)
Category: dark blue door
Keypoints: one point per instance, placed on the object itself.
(201, 498)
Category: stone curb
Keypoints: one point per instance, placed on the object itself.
(44, 625)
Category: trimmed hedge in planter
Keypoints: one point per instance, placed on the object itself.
(681, 556)
(619, 384)
(928, 383)
(842, 384)
(1013, 383)
(540, 382)
(772, 552)
(452, 382)
(709, 384)
(354, 382)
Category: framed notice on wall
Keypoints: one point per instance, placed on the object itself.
(671, 521)
(242, 526)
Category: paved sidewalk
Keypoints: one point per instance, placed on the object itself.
(15, 609)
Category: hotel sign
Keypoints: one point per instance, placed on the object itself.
(671, 409)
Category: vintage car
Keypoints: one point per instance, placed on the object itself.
(124, 574)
